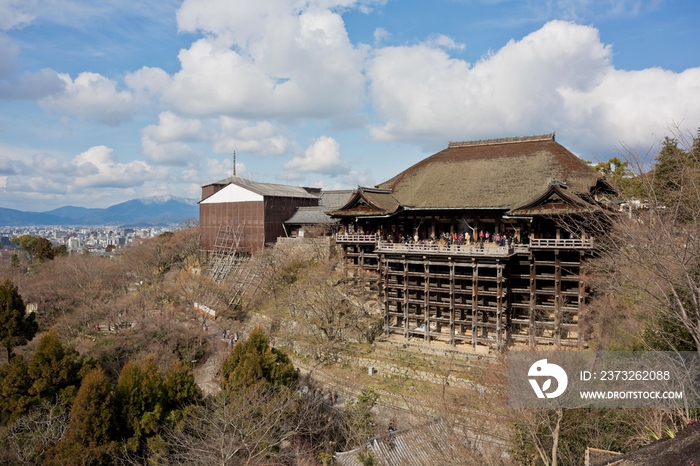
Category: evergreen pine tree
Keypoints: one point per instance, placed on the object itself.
(16, 328)
(139, 397)
(254, 361)
(55, 369)
(179, 386)
(43, 250)
(14, 261)
(89, 439)
(14, 390)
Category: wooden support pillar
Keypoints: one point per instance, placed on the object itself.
(406, 333)
(557, 297)
(533, 301)
(581, 302)
(426, 297)
(475, 291)
(452, 301)
(384, 283)
(499, 306)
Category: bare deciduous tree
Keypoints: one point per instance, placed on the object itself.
(247, 427)
(648, 257)
(335, 308)
(27, 440)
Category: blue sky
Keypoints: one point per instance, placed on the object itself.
(101, 102)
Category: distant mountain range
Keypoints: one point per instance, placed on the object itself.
(150, 211)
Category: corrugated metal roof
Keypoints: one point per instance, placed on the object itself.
(310, 216)
(270, 189)
(426, 446)
(335, 198)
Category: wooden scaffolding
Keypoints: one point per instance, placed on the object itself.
(534, 296)
(225, 252)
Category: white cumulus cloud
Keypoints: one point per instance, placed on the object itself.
(282, 58)
(97, 168)
(560, 77)
(27, 85)
(93, 96)
(172, 128)
(323, 156)
(261, 138)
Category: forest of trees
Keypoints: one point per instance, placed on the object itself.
(102, 372)
(79, 394)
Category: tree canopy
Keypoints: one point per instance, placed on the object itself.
(26, 243)
(55, 369)
(43, 250)
(254, 361)
(620, 174)
(16, 327)
(675, 179)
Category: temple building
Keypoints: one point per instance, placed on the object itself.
(479, 243)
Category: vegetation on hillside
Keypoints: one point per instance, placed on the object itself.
(102, 372)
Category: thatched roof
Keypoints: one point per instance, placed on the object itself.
(495, 173)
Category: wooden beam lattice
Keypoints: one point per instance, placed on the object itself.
(224, 254)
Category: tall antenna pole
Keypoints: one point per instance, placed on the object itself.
(234, 163)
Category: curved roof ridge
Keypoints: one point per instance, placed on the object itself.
(484, 142)
(497, 175)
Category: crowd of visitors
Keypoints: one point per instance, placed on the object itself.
(446, 238)
(454, 238)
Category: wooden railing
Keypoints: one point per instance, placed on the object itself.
(303, 239)
(356, 238)
(488, 249)
(562, 243)
(469, 249)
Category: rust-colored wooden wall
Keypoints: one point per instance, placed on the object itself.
(251, 214)
(279, 209)
(263, 220)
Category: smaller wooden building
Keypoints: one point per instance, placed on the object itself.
(255, 212)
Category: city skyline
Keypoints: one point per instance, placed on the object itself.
(104, 103)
